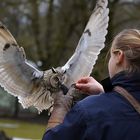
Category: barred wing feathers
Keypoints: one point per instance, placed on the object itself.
(18, 77)
(89, 46)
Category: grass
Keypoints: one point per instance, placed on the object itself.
(22, 129)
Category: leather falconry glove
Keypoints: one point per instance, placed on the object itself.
(62, 104)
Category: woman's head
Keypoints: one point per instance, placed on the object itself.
(125, 52)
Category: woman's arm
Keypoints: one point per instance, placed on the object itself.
(73, 126)
(62, 105)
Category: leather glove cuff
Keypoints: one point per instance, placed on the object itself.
(61, 106)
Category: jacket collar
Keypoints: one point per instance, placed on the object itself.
(129, 81)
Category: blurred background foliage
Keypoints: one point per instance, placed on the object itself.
(49, 31)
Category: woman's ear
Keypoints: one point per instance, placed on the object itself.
(119, 57)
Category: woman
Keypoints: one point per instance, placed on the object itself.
(107, 116)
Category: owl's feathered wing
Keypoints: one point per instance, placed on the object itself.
(18, 77)
(92, 41)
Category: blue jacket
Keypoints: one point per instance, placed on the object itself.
(107, 116)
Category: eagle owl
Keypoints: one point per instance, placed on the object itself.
(38, 88)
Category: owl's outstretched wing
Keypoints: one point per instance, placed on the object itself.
(18, 77)
(92, 41)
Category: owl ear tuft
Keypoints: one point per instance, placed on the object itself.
(54, 70)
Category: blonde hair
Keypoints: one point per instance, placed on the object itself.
(129, 42)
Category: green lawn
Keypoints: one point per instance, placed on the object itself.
(15, 128)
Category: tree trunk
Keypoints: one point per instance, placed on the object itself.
(35, 18)
(49, 32)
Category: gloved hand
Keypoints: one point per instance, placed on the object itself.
(62, 104)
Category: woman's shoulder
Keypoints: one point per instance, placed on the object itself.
(99, 100)
(98, 106)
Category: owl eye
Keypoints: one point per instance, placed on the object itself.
(54, 80)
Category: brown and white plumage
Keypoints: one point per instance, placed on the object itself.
(38, 88)
(18, 77)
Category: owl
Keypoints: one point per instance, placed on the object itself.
(38, 88)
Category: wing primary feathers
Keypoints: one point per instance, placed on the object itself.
(90, 44)
(7, 36)
(6, 47)
(18, 77)
(88, 32)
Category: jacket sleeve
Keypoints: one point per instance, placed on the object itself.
(73, 127)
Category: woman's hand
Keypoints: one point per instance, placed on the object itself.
(89, 85)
